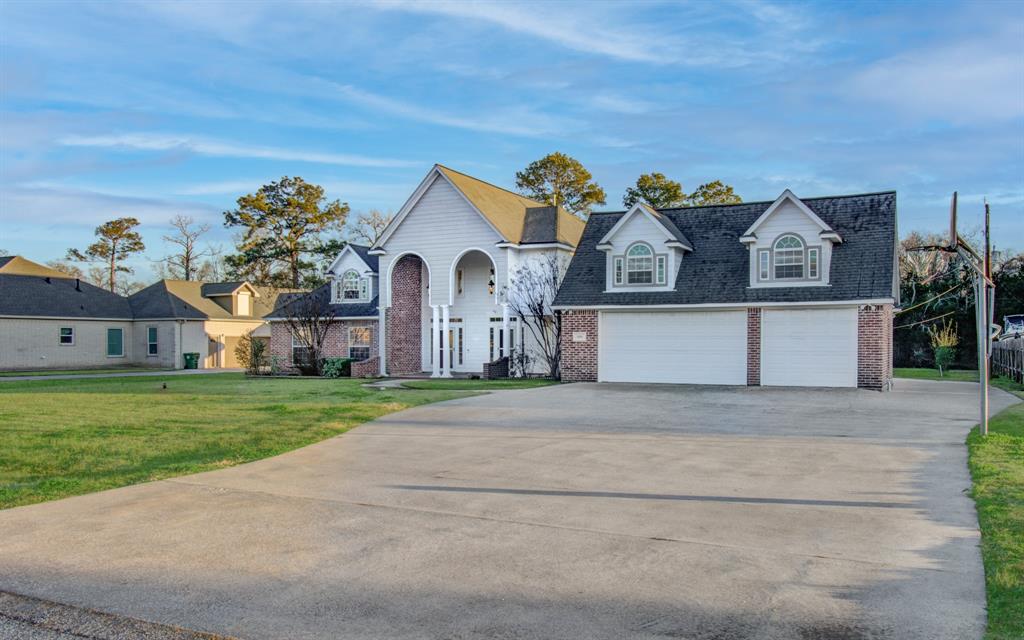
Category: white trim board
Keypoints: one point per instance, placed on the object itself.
(724, 305)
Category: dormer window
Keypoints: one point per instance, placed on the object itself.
(352, 287)
(789, 258)
(639, 265)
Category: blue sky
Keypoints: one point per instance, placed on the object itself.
(150, 110)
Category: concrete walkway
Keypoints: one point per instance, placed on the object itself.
(123, 374)
(573, 511)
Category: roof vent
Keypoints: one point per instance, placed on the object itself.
(47, 278)
(78, 284)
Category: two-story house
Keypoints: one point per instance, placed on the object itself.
(437, 281)
(794, 292)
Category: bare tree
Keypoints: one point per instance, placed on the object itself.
(184, 264)
(309, 320)
(369, 226)
(530, 296)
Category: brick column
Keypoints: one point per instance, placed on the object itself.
(405, 317)
(874, 346)
(579, 345)
(754, 347)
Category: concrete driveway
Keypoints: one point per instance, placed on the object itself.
(580, 511)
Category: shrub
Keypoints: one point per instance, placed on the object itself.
(337, 367)
(251, 353)
(944, 343)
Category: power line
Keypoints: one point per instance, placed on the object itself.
(904, 326)
(955, 286)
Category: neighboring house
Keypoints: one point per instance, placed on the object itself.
(795, 292)
(438, 278)
(49, 320)
(207, 318)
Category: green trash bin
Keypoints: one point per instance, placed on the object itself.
(191, 360)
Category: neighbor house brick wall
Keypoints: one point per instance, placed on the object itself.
(579, 359)
(874, 346)
(335, 344)
(404, 318)
(754, 346)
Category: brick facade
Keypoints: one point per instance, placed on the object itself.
(579, 359)
(369, 368)
(405, 318)
(874, 346)
(335, 345)
(753, 347)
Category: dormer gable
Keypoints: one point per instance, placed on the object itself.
(353, 278)
(790, 245)
(673, 236)
(643, 251)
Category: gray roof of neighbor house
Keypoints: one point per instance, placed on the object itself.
(49, 297)
(321, 300)
(193, 300)
(717, 270)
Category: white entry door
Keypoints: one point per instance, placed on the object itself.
(691, 347)
(809, 347)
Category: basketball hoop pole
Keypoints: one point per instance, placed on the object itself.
(984, 302)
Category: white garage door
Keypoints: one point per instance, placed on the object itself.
(682, 347)
(809, 347)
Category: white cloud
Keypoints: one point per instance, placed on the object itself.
(217, 148)
(968, 82)
(51, 204)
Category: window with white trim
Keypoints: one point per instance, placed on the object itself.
(618, 270)
(360, 340)
(115, 343)
(66, 336)
(812, 263)
(640, 265)
(350, 285)
(152, 346)
(764, 260)
(789, 258)
(301, 353)
(659, 273)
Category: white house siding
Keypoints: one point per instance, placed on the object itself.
(789, 219)
(475, 306)
(29, 343)
(440, 227)
(349, 260)
(640, 228)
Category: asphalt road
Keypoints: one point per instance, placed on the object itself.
(596, 511)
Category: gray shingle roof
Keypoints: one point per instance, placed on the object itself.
(38, 296)
(5, 259)
(321, 297)
(717, 271)
(220, 288)
(364, 253)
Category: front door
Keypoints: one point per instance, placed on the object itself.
(456, 355)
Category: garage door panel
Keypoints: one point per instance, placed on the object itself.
(809, 347)
(681, 348)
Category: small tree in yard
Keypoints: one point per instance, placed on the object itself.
(944, 343)
(309, 321)
(530, 297)
(251, 353)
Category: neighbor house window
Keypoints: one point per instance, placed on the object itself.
(812, 264)
(301, 354)
(115, 343)
(350, 289)
(639, 265)
(763, 262)
(618, 270)
(789, 258)
(360, 339)
(66, 337)
(151, 343)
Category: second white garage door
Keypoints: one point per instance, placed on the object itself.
(809, 347)
(678, 347)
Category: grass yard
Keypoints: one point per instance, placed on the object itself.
(478, 385)
(997, 469)
(65, 372)
(61, 438)
(954, 375)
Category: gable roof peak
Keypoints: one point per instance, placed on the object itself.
(674, 236)
(788, 195)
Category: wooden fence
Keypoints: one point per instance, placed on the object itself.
(1008, 359)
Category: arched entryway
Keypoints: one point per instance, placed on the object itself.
(474, 311)
(409, 277)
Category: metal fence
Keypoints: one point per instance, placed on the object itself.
(1008, 359)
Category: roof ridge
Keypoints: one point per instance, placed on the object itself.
(490, 184)
(740, 204)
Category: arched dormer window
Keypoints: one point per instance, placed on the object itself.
(350, 287)
(639, 264)
(789, 258)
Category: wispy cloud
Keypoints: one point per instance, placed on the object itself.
(53, 204)
(223, 149)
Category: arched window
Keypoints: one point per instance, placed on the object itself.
(789, 258)
(639, 265)
(350, 285)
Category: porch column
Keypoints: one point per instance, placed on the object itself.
(506, 332)
(435, 364)
(446, 365)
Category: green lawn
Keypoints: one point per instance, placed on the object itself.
(955, 375)
(997, 468)
(479, 385)
(65, 372)
(61, 438)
